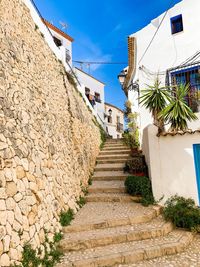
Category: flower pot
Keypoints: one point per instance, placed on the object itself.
(134, 151)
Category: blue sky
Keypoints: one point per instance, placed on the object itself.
(100, 30)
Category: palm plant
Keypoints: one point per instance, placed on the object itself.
(155, 98)
(177, 112)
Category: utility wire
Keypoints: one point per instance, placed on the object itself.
(99, 62)
(155, 33)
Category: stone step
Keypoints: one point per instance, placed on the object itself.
(114, 144)
(113, 157)
(110, 167)
(107, 187)
(110, 141)
(109, 175)
(101, 215)
(115, 235)
(109, 148)
(129, 252)
(111, 197)
(189, 258)
(110, 161)
(115, 152)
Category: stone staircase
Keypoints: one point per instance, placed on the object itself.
(112, 229)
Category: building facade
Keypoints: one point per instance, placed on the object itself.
(62, 40)
(168, 48)
(173, 56)
(114, 121)
(93, 89)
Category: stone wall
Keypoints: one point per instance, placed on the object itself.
(48, 141)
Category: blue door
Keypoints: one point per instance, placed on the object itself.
(196, 148)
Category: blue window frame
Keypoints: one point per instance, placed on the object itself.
(176, 24)
(191, 77)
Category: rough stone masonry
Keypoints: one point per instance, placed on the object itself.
(48, 141)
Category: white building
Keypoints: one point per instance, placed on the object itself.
(93, 89)
(114, 121)
(176, 41)
(168, 47)
(62, 40)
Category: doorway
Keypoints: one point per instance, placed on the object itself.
(196, 149)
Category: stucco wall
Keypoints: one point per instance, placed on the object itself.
(66, 44)
(95, 86)
(112, 127)
(171, 163)
(48, 141)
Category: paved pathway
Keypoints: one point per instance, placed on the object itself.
(112, 230)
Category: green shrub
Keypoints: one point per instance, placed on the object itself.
(90, 181)
(182, 212)
(103, 134)
(32, 257)
(57, 237)
(84, 190)
(140, 185)
(131, 139)
(81, 202)
(71, 79)
(66, 217)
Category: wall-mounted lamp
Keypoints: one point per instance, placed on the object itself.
(121, 77)
(109, 113)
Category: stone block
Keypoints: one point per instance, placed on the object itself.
(11, 189)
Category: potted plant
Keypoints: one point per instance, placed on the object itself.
(136, 166)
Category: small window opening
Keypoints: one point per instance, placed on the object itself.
(177, 24)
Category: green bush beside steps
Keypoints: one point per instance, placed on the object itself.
(182, 212)
(140, 185)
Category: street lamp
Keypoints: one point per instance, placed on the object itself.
(122, 77)
(109, 112)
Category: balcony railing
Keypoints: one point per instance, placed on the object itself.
(120, 127)
(93, 99)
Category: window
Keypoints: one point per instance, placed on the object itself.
(67, 55)
(109, 119)
(57, 41)
(177, 24)
(189, 76)
(87, 91)
(97, 97)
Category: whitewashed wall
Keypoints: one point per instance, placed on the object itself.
(66, 44)
(171, 163)
(166, 51)
(95, 86)
(112, 127)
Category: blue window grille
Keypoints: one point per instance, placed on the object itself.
(177, 24)
(191, 77)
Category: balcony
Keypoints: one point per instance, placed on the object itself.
(120, 127)
(93, 99)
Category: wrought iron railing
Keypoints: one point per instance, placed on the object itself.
(187, 75)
